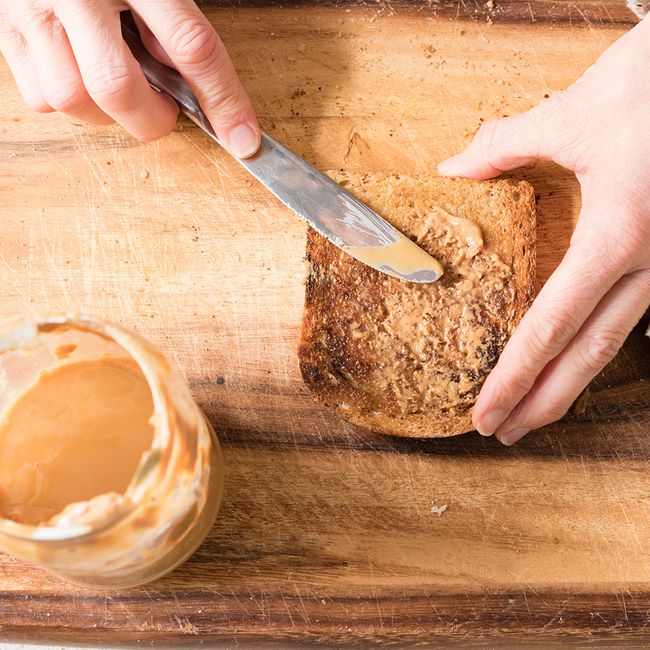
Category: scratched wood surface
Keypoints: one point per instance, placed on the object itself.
(326, 534)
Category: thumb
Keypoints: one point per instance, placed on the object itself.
(501, 145)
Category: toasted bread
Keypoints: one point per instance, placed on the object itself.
(409, 359)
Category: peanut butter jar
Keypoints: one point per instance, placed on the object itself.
(110, 475)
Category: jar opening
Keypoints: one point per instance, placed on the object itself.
(80, 426)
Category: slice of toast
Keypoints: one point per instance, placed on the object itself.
(409, 359)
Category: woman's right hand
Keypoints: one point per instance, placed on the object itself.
(69, 56)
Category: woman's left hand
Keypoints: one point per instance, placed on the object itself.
(600, 129)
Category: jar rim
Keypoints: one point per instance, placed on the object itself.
(141, 483)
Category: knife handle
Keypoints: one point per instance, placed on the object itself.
(163, 78)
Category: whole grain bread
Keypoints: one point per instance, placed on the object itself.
(409, 359)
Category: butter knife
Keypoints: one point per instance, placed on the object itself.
(328, 208)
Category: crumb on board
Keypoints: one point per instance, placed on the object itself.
(144, 174)
(438, 510)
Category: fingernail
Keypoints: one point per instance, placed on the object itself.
(489, 423)
(510, 437)
(449, 167)
(243, 141)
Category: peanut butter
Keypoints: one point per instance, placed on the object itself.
(445, 320)
(400, 256)
(77, 433)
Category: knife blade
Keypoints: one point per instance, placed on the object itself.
(328, 207)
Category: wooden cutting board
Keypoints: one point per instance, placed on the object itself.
(327, 533)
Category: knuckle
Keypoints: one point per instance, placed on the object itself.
(111, 86)
(228, 102)
(67, 96)
(497, 137)
(644, 283)
(489, 137)
(551, 413)
(547, 407)
(11, 39)
(595, 249)
(36, 19)
(635, 243)
(194, 43)
(609, 250)
(550, 331)
(600, 349)
(514, 382)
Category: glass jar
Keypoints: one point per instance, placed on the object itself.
(136, 423)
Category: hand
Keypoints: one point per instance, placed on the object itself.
(69, 56)
(600, 129)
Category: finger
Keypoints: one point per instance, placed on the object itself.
(111, 75)
(562, 306)
(58, 73)
(546, 132)
(498, 146)
(589, 352)
(151, 42)
(16, 52)
(199, 55)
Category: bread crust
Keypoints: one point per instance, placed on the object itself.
(406, 359)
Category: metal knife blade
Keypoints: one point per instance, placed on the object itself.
(328, 207)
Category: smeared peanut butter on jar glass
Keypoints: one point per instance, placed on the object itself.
(110, 476)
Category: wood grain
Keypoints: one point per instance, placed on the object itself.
(593, 13)
(326, 535)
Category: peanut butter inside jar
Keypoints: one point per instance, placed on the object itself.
(103, 451)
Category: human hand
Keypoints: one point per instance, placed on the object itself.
(600, 129)
(69, 56)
